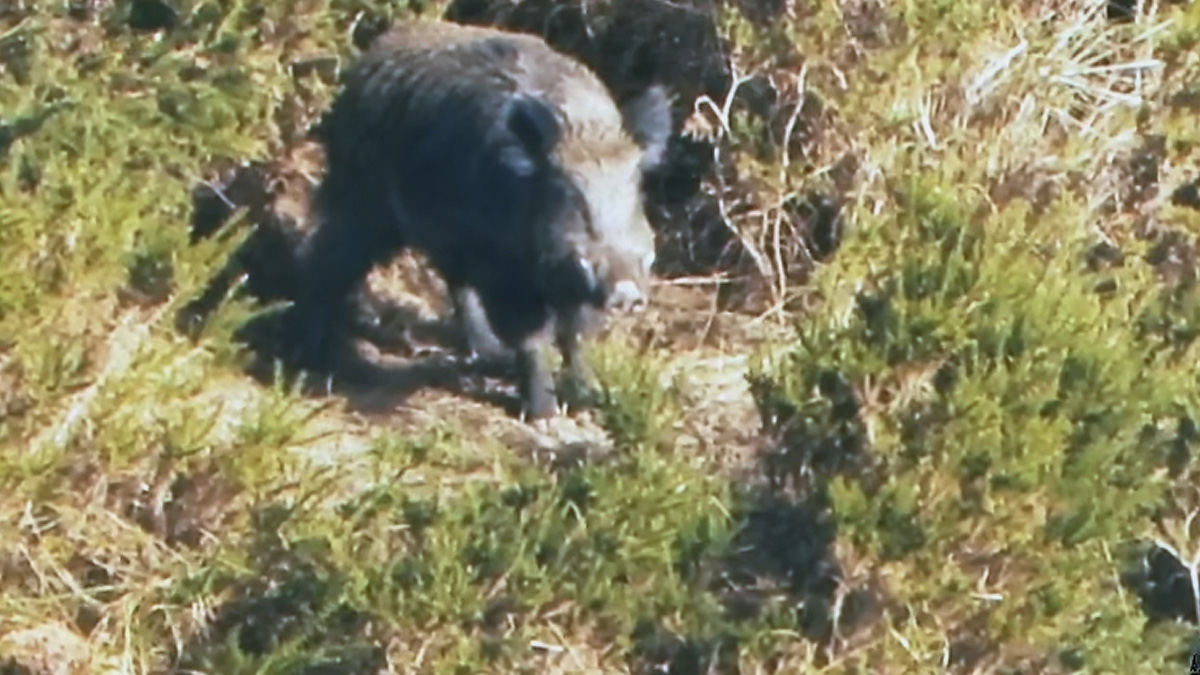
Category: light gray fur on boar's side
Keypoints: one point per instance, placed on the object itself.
(509, 165)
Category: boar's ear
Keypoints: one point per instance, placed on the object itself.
(530, 132)
(648, 119)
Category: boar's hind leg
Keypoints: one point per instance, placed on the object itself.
(481, 342)
(333, 262)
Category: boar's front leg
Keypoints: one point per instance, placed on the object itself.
(521, 321)
(569, 325)
(535, 382)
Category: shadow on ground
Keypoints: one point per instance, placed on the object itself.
(412, 353)
(783, 560)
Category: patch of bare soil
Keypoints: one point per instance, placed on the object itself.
(48, 649)
(417, 383)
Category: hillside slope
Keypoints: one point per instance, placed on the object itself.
(917, 391)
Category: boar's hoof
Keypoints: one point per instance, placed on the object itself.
(539, 406)
(483, 347)
(627, 297)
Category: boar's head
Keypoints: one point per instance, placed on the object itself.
(596, 246)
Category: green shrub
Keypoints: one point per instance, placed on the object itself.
(974, 432)
(467, 579)
(1011, 425)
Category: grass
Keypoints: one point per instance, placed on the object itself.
(949, 447)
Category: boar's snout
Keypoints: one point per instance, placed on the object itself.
(627, 296)
(623, 282)
(603, 287)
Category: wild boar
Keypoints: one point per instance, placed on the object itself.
(510, 166)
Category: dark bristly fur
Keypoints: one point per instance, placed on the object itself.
(509, 165)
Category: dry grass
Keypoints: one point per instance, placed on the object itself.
(152, 490)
